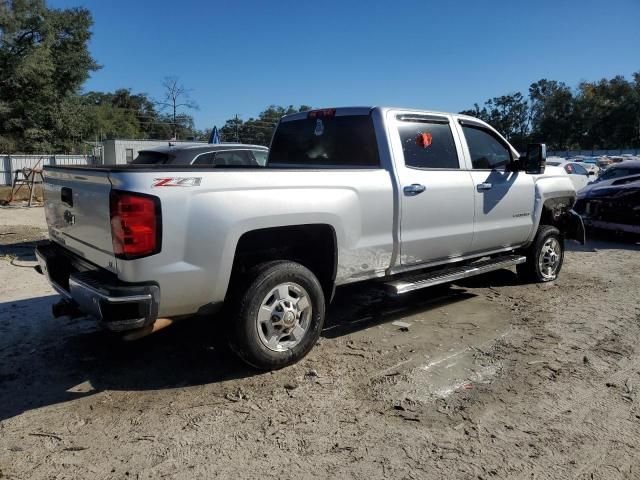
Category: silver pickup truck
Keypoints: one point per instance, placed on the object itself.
(409, 198)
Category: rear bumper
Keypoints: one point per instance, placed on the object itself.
(97, 292)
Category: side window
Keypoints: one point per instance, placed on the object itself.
(487, 152)
(205, 159)
(428, 145)
(579, 169)
(260, 156)
(129, 155)
(239, 157)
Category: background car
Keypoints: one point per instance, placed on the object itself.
(617, 173)
(591, 164)
(579, 175)
(215, 154)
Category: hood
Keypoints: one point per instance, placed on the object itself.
(609, 189)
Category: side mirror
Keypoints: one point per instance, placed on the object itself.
(591, 173)
(536, 158)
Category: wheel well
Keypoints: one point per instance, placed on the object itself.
(555, 211)
(312, 245)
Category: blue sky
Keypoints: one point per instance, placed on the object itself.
(240, 56)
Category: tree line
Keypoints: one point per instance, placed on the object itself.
(44, 62)
(604, 114)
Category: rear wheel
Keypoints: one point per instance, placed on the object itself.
(279, 315)
(544, 257)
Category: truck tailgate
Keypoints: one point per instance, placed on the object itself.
(78, 214)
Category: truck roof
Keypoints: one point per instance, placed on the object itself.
(363, 110)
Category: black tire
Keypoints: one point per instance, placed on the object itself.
(245, 338)
(530, 271)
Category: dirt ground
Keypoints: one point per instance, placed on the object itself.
(493, 379)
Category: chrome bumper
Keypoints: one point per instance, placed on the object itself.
(97, 293)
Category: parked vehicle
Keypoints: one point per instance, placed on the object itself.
(578, 174)
(411, 198)
(612, 202)
(218, 154)
(615, 172)
(591, 165)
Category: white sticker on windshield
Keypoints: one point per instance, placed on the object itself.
(319, 128)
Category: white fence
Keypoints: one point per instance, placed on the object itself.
(10, 163)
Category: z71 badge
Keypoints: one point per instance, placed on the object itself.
(177, 182)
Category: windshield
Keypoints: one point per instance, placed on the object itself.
(347, 141)
(617, 172)
(152, 158)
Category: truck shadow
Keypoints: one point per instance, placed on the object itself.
(44, 361)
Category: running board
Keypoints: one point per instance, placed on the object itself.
(424, 280)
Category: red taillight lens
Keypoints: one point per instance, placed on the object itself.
(135, 224)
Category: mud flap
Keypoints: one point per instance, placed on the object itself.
(575, 228)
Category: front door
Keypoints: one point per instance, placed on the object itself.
(436, 194)
(504, 199)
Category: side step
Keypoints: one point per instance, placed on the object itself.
(424, 280)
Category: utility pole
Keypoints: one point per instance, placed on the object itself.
(237, 129)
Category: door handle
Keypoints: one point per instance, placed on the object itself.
(414, 189)
(484, 186)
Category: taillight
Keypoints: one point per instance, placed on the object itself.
(135, 224)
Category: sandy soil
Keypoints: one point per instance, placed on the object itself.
(493, 379)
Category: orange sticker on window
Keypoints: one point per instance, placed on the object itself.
(424, 140)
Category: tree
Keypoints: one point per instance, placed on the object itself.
(509, 114)
(44, 60)
(608, 113)
(552, 107)
(259, 130)
(176, 97)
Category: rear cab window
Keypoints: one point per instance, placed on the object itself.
(325, 139)
(152, 158)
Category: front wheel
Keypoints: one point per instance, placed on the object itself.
(279, 315)
(544, 256)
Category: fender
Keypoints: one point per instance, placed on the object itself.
(554, 200)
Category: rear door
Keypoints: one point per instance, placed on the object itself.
(78, 213)
(436, 194)
(504, 200)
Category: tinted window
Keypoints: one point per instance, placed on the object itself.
(487, 152)
(613, 172)
(428, 145)
(152, 158)
(341, 141)
(575, 168)
(260, 156)
(205, 159)
(234, 158)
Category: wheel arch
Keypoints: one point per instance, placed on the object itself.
(314, 245)
(558, 212)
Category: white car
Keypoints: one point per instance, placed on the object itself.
(592, 168)
(578, 174)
